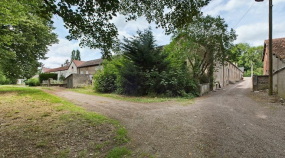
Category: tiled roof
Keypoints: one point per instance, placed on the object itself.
(92, 63)
(278, 47)
(78, 63)
(45, 69)
(58, 69)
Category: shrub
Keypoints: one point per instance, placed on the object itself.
(33, 82)
(46, 76)
(4, 80)
(104, 80)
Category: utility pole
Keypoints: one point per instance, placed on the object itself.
(270, 50)
(270, 92)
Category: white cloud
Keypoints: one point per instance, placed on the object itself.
(58, 53)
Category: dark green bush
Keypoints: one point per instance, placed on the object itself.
(46, 76)
(3, 79)
(104, 80)
(145, 69)
(33, 82)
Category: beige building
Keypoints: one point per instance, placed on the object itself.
(278, 64)
(224, 75)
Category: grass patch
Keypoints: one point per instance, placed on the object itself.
(143, 99)
(119, 152)
(37, 124)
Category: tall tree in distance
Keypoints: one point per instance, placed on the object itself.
(72, 55)
(77, 56)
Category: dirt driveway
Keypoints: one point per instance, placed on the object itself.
(226, 123)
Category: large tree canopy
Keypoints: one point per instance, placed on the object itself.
(205, 41)
(89, 21)
(23, 40)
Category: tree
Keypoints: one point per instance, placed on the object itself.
(72, 55)
(90, 20)
(140, 75)
(143, 69)
(77, 56)
(205, 42)
(249, 57)
(29, 43)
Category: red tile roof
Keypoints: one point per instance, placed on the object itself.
(278, 47)
(45, 69)
(58, 69)
(92, 63)
(78, 63)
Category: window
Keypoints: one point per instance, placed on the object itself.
(86, 72)
(72, 67)
(81, 72)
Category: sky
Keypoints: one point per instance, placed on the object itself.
(247, 17)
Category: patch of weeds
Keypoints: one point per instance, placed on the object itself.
(42, 143)
(46, 114)
(121, 136)
(17, 111)
(119, 152)
(146, 155)
(99, 146)
(33, 128)
(140, 99)
(8, 114)
(59, 108)
(64, 153)
(47, 88)
(83, 153)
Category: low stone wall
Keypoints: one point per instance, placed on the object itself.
(260, 82)
(203, 88)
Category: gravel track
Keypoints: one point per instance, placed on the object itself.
(226, 123)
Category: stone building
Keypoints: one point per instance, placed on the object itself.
(278, 64)
(226, 74)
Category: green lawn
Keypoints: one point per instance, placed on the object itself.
(37, 124)
(144, 99)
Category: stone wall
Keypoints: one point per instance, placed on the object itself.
(203, 88)
(281, 84)
(77, 80)
(260, 82)
(90, 70)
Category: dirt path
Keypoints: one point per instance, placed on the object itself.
(226, 123)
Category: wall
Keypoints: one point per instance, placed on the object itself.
(77, 80)
(281, 83)
(231, 74)
(72, 69)
(203, 88)
(266, 62)
(260, 82)
(63, 73)
(91, 69)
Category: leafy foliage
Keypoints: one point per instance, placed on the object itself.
(205, 41)
(33, 82)
(105, 81)
(24, 40)
(46, 76)
(144, 69)
(247, 55)
(3, 79)
(91, 21)
(75, 55)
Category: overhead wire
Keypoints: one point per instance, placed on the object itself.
(244, 14)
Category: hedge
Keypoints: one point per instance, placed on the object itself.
(46, 76)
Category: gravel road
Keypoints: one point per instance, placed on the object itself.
(226, 123)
